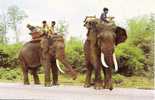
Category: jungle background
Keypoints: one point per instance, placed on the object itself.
(135, 56)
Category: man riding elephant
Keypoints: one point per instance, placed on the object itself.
(99, 47)
(103, 16)
(53, 26)
(106, 19)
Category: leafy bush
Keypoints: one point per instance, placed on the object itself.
(74, 52)
(10, 74)
(136, 55)
(117, 79)
(11, 50)
(130, 57)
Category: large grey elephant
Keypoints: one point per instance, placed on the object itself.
(44, 52)
(102, 38)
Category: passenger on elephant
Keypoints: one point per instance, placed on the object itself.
(52, 27)
(103, 16)
(45, 28)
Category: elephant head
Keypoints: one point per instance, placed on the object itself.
(55, 47)
(107, 37)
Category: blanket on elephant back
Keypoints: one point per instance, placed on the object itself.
(52, 38)
(120, 33)
(105, 26)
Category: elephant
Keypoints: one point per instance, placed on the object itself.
(44, 52)
(102, 38)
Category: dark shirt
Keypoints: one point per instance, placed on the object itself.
(103, 17)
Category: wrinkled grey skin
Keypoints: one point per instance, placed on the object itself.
(45, 53)
(101, 39)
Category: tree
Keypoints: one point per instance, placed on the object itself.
(3, 28)
(62, 28)
(15, 17)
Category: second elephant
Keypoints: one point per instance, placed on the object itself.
(35, 54)
(99, 49)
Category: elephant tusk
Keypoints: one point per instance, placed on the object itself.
(115, 62)
(59, 68)
(103, 61)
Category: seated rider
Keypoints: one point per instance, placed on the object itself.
(45, 28)
(106, 19)
(52, 27)
(103, 16)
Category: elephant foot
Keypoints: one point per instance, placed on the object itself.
(108, 85)
(47, 84)
(98, 86)
(26, 83)
(37, 83)
(87, 85)
(55, 83)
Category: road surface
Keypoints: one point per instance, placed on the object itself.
(20, 91)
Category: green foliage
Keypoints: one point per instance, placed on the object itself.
(133, 82)
(12, 51)
(117, 79)
(10, 74)
(74, 52)
(137, 51)
(133, 57)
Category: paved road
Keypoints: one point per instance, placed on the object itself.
(20, 91)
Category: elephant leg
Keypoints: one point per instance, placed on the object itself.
(108, 72)
(88, 75)
(47, 71)
(35, 76)
(105, 76)
(25, 74)
(54, 72)
(89, 66)
(98, 81)
(47, 77)
(108, 79)
(46, 62)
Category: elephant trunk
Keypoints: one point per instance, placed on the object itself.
(69, 70)
(106, 65)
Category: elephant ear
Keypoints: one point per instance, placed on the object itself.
(121, 35)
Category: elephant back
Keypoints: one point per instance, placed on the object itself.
(30, 54)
